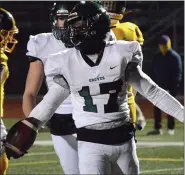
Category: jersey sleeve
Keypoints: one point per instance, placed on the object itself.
(51, 101)
(34, 46)
(131, 32)
(31, 47)
(52, 68)
(156, 95)
(135, 59)
(137, 56)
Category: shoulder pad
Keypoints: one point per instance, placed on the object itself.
(36, 43)
(131, 32)
(41, 38)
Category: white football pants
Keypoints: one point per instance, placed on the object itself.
(108, 159)
(66, 150)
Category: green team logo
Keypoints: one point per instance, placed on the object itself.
(96, 79)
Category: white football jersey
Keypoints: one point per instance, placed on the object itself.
(98, 93)
(41, 46)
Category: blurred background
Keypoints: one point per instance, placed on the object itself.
(153, 17)
(157, 154)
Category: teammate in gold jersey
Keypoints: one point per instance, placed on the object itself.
(130, 32)
(7, 43)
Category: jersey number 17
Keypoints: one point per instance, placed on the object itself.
(112, 88)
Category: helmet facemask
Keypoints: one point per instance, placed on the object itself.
(115, 9)
(82, 30)
(7, 31)
(57, 25)
(7, 40)
(76, 29)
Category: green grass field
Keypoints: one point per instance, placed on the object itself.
(157, 154)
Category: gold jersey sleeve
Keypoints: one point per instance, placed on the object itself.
(4, 76)
(128, 31)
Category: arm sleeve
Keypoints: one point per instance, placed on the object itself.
(156, 95)
(51, 101)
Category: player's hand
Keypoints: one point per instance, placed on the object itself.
(21, 137)
(140, 125)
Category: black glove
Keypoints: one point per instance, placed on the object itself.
(21, 137)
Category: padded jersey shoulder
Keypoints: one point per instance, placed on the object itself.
(40, 39)
(36, 43)
(129, 50)
(57, 62)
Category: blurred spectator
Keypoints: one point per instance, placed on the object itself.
(167, 73)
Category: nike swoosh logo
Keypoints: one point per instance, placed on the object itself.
(113, 67)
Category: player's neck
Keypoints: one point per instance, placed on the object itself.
(92, 47)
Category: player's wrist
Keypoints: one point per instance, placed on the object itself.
(33, 123)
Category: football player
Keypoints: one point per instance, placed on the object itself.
(96, 73)
(129, 32)
(62, 127)
(7, 44)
